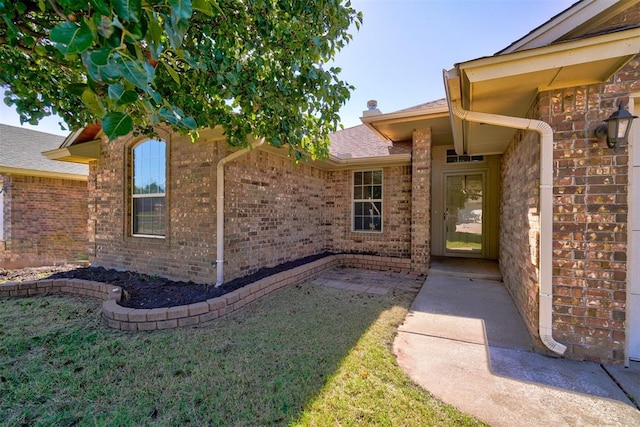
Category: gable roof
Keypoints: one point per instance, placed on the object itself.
(507, 84)
(21, 153)
(579, 20)
(358, 141)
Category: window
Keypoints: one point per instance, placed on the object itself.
(149, 187)
(367, 201)
(452, 157)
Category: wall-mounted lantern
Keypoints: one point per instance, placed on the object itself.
(616, 128)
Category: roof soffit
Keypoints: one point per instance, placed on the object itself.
(399, 126)
(508, 84)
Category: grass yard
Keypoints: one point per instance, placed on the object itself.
(306, 355)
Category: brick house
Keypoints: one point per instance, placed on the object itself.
(507, 168)
(43, 204)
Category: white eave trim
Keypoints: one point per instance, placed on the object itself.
(560, 25)
(79, 153)
(613, 45)
(42, 174)
(405, 115)
(339, 163)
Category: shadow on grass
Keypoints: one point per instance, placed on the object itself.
(59, 365)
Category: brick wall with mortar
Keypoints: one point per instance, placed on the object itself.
(395, 238)
(275, 212)
(188, 249)
(45, 221)
(421, 201)
(520, 226)
(590, 221)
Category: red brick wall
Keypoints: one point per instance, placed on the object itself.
(590, 220)
(395, 238)
(519, 224)
(421, 201)
(275, 211)
(45, 221)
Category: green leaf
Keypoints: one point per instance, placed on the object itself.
(104, 25)
(115, 91)
(174, 75)
(99, 66)
(91, 101)
(116, 124)
(13, 30)
(189, 123)
(181, 9)
(77, 88)
(203, 6)
(135, 72)
(101, 6)
(41, 50)
(128, 97)
(122, 97)
(127, 10)
(71, 38)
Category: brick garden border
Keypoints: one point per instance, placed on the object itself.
(132, 319)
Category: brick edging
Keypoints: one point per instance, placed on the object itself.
(132, 319)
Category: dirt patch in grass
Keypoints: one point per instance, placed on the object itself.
(147, 291)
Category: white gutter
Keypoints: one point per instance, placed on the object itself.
(545, 288)
(220, 209)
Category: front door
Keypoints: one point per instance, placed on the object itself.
(463, 214)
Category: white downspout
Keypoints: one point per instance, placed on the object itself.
(220, 209)
(545, 289)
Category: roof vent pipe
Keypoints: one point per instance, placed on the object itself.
(372, 108)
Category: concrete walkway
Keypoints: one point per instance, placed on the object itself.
(465, 342)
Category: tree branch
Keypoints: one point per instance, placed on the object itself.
(58, 11)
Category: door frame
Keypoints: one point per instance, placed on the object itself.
(461, 254)
(490, 168)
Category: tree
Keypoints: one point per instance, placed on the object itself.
(250, 66)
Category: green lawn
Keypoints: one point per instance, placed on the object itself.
(306, 355)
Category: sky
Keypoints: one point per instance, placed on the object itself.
(398, 55)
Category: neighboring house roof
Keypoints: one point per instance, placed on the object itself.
(21, 153)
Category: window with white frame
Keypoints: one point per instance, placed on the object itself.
(367, 201)
(149, 188)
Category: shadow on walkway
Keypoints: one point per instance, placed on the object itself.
(465, 342)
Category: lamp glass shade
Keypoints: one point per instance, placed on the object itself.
(618, 126)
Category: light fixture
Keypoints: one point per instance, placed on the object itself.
(616, 128)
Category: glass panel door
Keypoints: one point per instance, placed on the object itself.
(463, 214)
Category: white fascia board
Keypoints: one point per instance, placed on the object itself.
(404, 116)
(42, 174)
(560, 25)
(608, 46)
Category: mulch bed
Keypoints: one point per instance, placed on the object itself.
(145, 291)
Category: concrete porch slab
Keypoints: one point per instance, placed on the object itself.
(464, 341)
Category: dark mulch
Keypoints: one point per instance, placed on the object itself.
(145, 291)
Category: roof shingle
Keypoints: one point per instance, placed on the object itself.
(22, 148)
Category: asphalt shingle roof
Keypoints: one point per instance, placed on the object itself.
(22, 149)
(360, 141)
